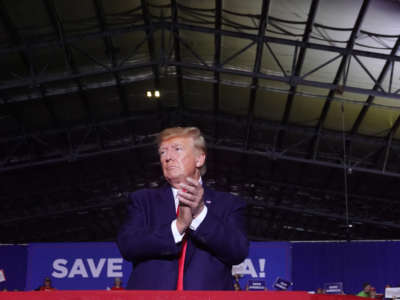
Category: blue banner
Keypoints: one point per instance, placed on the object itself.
(351, 263)
(76, 266)
(13, 264)
(73, 266)
(267, 261)
(91, 266)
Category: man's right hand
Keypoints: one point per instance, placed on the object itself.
(184, 219)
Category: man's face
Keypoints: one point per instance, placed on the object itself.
(180, 159)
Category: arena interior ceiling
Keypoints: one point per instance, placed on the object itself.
(299, 101)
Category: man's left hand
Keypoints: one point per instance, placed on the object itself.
(191, 194)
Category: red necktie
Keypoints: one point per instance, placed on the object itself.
(181, 261)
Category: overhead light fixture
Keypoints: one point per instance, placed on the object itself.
(150, 94)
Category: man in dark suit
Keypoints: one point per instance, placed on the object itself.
(183, 235)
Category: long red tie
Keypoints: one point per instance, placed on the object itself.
(181, 261)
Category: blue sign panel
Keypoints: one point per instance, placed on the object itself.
(334, 288)
(345, 262)
(282, 284)
(75, 266)
(256, 285)
(13, 266)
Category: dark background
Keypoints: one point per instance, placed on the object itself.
(298, 101)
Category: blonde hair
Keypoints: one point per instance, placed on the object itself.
(193, 132)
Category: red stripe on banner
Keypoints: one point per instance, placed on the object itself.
(169, 295)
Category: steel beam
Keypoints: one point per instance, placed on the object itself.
(259, 124)
(27, 60)
(296, 72)
(150, 43)
(292, 80)
(332, 162)
(338, 76)
(197, 28)
(111, 52)
(65, 77)
(75, 89)
(58, 28)
(256, 69)
(68, 158)
(177, 54)
(288, 42)
(288, 157)
(277, 60)
(377, 86)
(217, 63)
(73, 38)
(389, 141)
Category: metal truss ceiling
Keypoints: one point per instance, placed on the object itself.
(295, 84)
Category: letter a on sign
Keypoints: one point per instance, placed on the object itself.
(245, 268)
(78, 268)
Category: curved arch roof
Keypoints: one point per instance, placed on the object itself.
(292, 95)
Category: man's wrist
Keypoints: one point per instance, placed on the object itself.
(199, 211)
(199, 219)
(175, 232)
(181, 226)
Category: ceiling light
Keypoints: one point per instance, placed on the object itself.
(149, 94)
(157, 94)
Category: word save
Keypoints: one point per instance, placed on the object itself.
(87, 268)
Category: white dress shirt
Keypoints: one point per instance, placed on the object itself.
(195, 222)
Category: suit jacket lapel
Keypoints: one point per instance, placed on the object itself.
(167, 205)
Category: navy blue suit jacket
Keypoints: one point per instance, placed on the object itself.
(146, 240)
